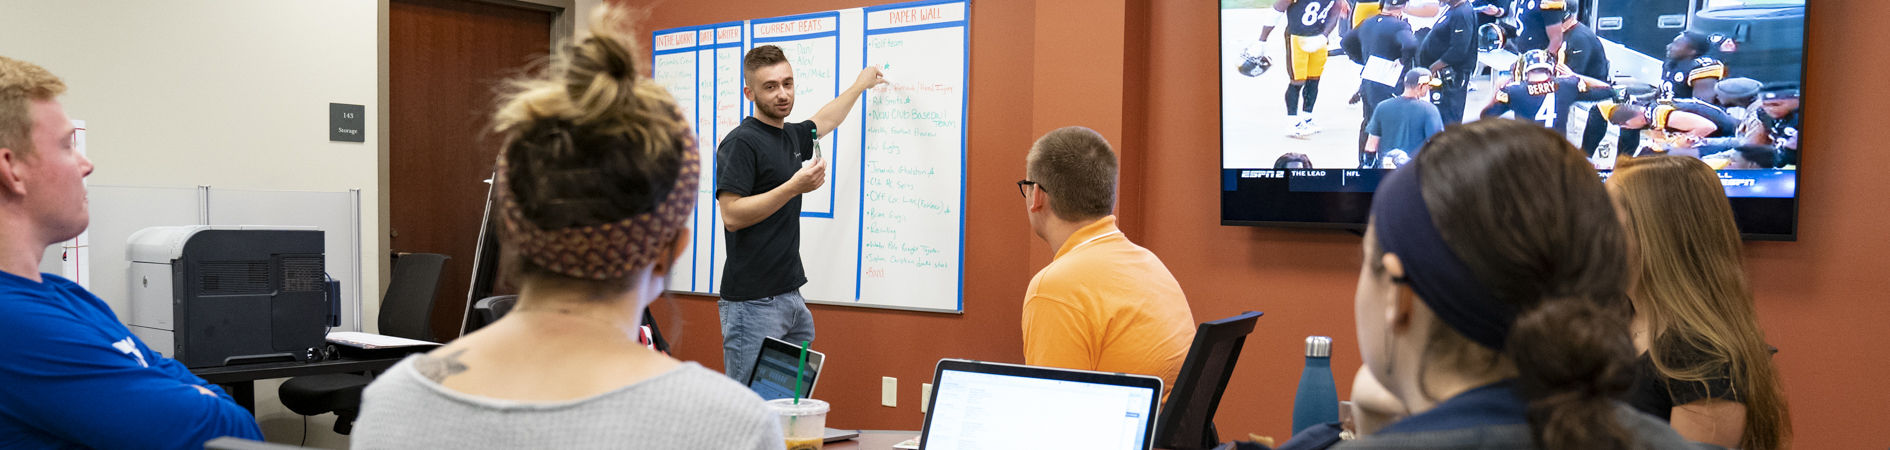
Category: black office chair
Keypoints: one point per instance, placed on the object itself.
(406, 311)
(1187, 418)
(488, 310)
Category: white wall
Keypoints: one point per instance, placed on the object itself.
(228, 93)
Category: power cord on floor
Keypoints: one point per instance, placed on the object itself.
(304, 432)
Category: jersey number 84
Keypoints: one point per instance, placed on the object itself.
(1314, 14)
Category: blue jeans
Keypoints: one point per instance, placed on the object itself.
(745, 324)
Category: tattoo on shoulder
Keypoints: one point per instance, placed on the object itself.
(438, 368)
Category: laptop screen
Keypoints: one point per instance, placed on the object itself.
(977, 410)
(773, 377)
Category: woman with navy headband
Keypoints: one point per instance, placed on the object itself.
(1492, 302)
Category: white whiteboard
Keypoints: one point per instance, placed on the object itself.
(887, 230)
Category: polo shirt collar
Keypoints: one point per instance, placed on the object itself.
(1102, 227)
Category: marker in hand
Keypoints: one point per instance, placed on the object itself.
(810, 162)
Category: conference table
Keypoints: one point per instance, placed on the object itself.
(240, 380)
(873, 440)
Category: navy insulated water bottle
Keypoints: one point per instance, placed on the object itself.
(1318, 399)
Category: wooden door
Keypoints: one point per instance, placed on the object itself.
(445, 58)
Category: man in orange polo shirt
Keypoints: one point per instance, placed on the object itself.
(1104, 304)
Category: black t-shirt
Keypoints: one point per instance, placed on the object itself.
(764, 260)
(1582, 52)
(1383, 36)
(1658, 395)
(1308, 17)
(1453, 40)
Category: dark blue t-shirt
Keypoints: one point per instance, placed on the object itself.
(1404, 124)
(764, 259)
(71, 376)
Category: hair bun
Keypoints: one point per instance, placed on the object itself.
(613, 56)
(1573, 354)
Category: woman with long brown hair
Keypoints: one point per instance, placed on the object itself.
(1492, 300)
(596, 182)
(1704, 363)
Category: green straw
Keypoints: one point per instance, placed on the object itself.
(801, 371)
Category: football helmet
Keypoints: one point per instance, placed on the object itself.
(1489, 38)
(1253, 65)
(1533, 60)
(1636, 93)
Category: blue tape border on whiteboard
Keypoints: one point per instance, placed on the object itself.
(695, 254)
(715, 78)
(832, 196)
(964, 132)
(695, 263)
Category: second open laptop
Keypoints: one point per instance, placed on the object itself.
(774, 376)
(994, 405)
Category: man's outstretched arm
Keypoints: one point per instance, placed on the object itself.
(831, 116)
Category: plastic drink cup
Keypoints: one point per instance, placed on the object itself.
(804, 425)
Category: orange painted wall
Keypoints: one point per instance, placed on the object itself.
(1038, 65)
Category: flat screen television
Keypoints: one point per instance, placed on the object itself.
(1668, 64)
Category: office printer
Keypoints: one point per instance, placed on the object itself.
(220, 295)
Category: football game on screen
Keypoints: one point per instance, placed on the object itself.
(1328, 95)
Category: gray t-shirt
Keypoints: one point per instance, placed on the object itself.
(688, 407)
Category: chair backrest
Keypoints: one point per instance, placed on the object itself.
(1187, 418)
(407, 310)
(488, 310)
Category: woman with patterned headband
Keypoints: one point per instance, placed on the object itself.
(595, 183)
(1492, 302)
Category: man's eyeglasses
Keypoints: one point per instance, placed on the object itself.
(1023, 187)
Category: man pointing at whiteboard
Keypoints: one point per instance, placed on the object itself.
(762, 168)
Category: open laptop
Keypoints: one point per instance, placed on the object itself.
(773, 377)
(993, 405)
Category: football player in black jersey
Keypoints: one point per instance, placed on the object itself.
(1782, 118)
(1597, 128)
(1688, 72)
(1307, 25)
(1539, 24)
(1546, 92)
(1675, 127)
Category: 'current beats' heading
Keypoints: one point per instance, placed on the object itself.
(797, 27)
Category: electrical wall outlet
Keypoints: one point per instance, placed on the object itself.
(889, 392)
(925, 396)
